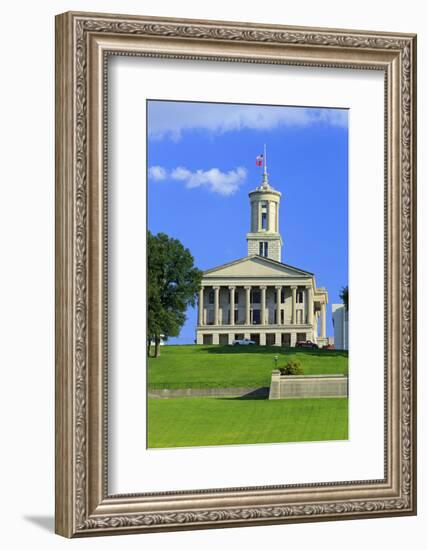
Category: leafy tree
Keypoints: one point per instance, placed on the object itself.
(173, 285)
(344, 296)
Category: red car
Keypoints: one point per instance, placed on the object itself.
(329, 346)
(307, 344)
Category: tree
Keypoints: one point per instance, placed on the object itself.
(173, 285)
(344, 296)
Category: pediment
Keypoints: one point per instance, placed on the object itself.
(256, 266)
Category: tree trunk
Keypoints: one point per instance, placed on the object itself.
(148, 347)
(157, 346)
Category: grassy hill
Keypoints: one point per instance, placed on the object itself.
(234, 366)
(186, 422)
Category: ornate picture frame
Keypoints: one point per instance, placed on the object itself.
(84, 42)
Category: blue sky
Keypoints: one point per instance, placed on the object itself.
(201, 167)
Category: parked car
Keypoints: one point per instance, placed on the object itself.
(244, 342)
(328, 346)
(307, 344)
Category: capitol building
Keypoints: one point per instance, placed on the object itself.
(259, 297)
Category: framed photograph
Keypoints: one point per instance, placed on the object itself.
(235, 274)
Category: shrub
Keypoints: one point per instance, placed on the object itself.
(291, 368)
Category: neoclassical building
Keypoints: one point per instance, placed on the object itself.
(258, 296)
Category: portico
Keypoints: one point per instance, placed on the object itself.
(278, 305)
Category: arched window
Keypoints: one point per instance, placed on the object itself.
(264, 216)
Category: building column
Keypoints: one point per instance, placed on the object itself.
(263, 294)
(201, 307)
(310, 305)
(272, 217)
(294, 305)
(293, 339)
(262, 339)
(323, 321)
(278, 304)
(216, 305)
(278, 339)
(248, 305)
(231, 300)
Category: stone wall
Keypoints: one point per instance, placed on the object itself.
(210, 392)
(274, 247)
(288, 387)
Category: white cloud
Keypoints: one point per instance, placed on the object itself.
(157, 173)
(214, 180)
(170, 119)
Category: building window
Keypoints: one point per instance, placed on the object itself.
(300, 297)
(286, 339)
(256, 297)
(211, 296)
(256, 317)
(236, 316)
(264, 216)
(263, 249)
(210, 317)
(236, 297)
(223, 339)
(270, 339)
(207, 339)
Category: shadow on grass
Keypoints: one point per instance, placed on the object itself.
(260, 394)
(247, 397)
(268, 350)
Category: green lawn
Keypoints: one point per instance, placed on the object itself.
(234, 366)
(194, 421)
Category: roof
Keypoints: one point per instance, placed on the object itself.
(260, 259)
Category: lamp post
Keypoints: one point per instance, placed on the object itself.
(276, 358)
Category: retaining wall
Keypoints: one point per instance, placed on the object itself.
(326, 385)
(210, 392)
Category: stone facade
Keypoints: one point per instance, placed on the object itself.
(259, 297)
(297, 387)
(274, 246)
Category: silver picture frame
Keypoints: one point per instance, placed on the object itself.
(84, 41)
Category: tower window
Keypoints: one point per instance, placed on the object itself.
(263, 249)
(264, 220)
(264, 216)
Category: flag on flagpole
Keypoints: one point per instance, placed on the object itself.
(259, 160)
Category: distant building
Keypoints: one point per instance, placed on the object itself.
(258, 296)
(340, 322)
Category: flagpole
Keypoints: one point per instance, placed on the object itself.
(265, 160)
